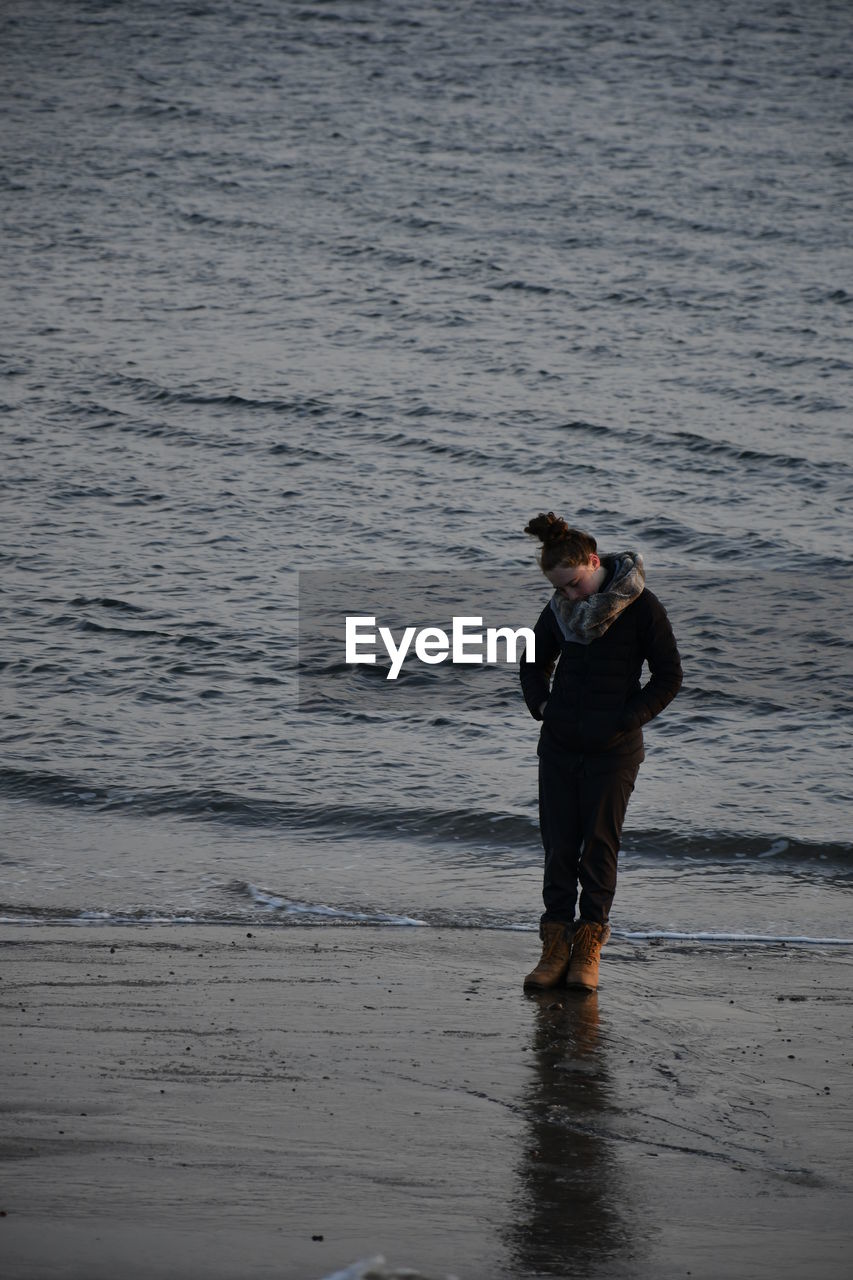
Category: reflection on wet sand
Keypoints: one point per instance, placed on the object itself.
(570, 1210)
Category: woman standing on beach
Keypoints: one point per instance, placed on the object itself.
(599, 627)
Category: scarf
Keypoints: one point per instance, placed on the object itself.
(587, 620)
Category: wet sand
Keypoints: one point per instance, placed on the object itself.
(219, 1102)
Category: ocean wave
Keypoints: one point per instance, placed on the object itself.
(297, 910)
(694, 444)
(146, 391)
(523, 286)
(265, 910)
(209, 804)
(106, 602)
(476, 830)
(458, 452)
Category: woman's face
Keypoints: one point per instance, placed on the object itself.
(578, 581)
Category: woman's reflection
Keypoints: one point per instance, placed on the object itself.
(567, 1212)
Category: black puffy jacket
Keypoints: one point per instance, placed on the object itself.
(596, 706)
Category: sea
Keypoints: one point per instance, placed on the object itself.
(325, 301)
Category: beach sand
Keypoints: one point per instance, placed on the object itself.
(241, 1102)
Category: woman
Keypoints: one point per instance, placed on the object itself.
(598, 628)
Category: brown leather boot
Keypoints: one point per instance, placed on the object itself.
(588, 940)
(556, 953)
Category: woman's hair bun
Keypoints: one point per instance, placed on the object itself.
(547, 528)
(561, 545)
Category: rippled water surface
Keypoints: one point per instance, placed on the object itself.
(357, 287)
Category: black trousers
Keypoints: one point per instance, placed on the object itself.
(581, 811)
